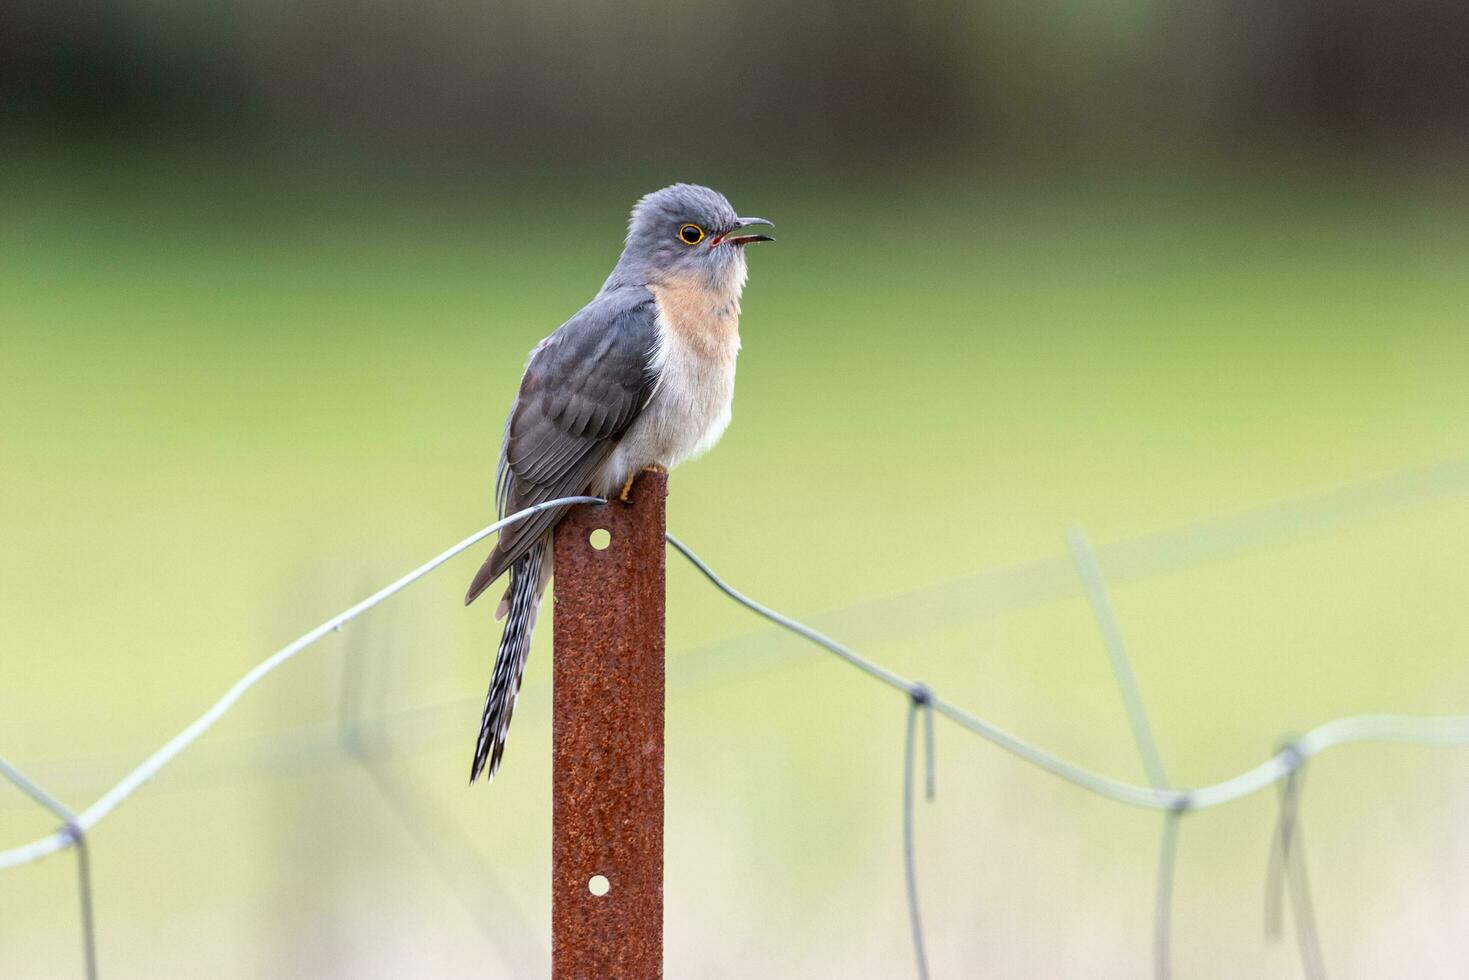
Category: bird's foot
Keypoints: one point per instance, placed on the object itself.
(626, 495)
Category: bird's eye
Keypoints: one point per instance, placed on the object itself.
(690, 234)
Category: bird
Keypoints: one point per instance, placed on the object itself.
(641, 377)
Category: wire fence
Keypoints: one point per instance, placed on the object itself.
(1284, 768)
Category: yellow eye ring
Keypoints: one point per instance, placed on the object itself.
(690, 234)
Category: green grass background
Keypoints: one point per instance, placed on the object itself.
(231, 402)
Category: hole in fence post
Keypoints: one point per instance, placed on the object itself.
(599, 885)
(600, 539)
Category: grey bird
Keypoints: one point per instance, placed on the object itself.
(642, 377)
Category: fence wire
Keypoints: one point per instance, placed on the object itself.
(1282, 766)
(1142, 734)
(78, 838)
(1286, 871)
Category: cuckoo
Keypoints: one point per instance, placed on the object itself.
(642, 377)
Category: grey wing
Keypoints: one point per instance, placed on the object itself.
(583, 387)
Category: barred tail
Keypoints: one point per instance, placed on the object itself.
(523, 598)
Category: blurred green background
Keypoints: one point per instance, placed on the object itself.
(269, 273)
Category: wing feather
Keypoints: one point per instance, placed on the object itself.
(583, 387)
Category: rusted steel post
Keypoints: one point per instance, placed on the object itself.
(607, 740)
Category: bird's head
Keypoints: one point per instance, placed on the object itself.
(688, 231)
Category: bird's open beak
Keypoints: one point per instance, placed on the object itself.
(735, 236)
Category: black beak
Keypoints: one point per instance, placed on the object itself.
(733, 237)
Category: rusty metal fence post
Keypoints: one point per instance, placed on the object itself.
(607, 740)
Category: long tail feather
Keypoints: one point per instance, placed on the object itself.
(524, 597)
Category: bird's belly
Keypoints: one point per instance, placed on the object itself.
(689, 411)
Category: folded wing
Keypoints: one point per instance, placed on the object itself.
(583, 387)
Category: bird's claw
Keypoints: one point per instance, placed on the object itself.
(626, 495)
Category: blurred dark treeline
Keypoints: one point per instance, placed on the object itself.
(587, 84)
